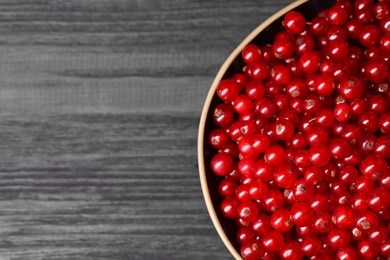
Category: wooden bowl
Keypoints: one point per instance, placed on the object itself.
(263, 34)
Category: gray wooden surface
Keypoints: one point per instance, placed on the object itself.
(99, 109)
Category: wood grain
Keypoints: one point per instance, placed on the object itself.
(99, 109)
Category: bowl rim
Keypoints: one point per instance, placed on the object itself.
(205, 110)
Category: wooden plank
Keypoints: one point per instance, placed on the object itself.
(117, 56)
(95, 185)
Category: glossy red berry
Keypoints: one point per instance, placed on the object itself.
(337, 15)
(251, 54)
(319, 203)
(275, 155)
(223, 115)
(359, 106)
(229, 207)
(382, 147)
(294, 22)
(324, 85)
(337, 34)
(338, 238)
(380, 10)
(379, 235)
(367, 250)
(242, 192)
(253, 146)
(353, 27)
(281, 220)
(325, 118)
(384, 123)
(344, 217)
(255, 89)
(314, 174)
(305, 231)
(252, 250)
(243, 104)
(316, 136)
(222, 164)
(280, 74)
(297, 141)
(291, 251)
(323, 222)
(244, 234)
(385, 248)
(284, 129)
(309, 62)
(273, 241)
(258, 190)
(311, 246)
(342, 112)
(261, 225)
(358, 235)
(303, 191)
(369, 35)
(379, 199)
(228, 90)
(283, 49)
(339, 148)
(301, 214)
(351, 88)
(265, 107)
(319, 25)
(347, 253)
(348, 174)
(376, 70)
(230, 149)
(285, 175)
(218, 138)
(227, 187)
(338, 50)
(319, 155)
(247, 211)
(273, 201)
(368, 122)
(373, 167)
(366, 221)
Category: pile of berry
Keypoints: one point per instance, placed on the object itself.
(303, 138)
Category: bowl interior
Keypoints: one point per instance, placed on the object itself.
(266, 36)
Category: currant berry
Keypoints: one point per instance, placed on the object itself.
(311, 246)
(338, 238)
(222, 164)
(273, 241)
(261, 225)
(281, 220)
(367, 250)
(319, 155)
(247, 211)
(229, 207)
(347, 253)
(373, 167)
(252, 250)
(366, 221)
(294, 22)
(275, 155)
(301, 214)
(251, 54)
(344, 217)
(291, 251)
(228, 90)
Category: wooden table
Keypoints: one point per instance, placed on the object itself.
(99, 109)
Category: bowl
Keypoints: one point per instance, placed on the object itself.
(263, 34)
